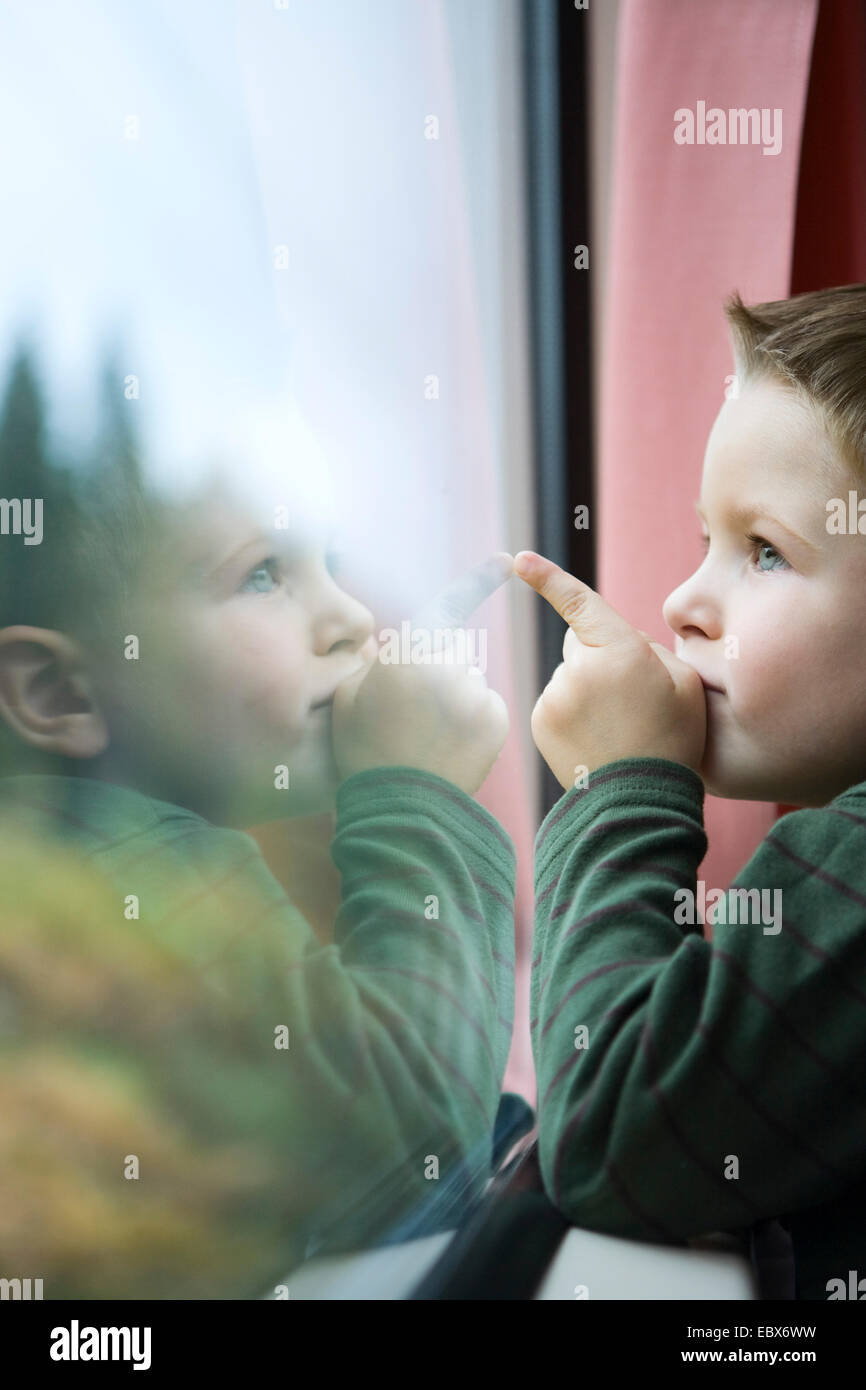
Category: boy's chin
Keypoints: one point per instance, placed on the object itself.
(750, 784)
(735, 783)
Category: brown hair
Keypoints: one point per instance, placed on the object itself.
(814, 343)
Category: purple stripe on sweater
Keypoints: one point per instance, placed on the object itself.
(814, 872)
(622, 905)
(494, 893)
(432, 927)
(435, 837)
(667, 774)
(789, 1135)
(648, 822)
(848, 815)
(627, 822)
(611, 1172)
(449, 1066)
(457, 797)
(631, 865)
(570, 1061)
(824, 956)
(594, 975)
(356, 1088)
(541, 897)
(423, 871)
(610, 1169)
(712, 1174)
(627, 1005)
(403, 915)
(431, 984)
(781, 1017)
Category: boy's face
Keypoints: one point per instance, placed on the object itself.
(244, 636)
(775, 615)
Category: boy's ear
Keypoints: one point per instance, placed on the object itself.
(45, 696)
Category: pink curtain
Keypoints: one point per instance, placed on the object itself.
(689, 223)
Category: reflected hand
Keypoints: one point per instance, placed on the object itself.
(441, 717)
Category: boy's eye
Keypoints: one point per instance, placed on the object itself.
(765, 551)
(768, 557)
(263, 579)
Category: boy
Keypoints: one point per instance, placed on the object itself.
(171, 672)
(687, 1086)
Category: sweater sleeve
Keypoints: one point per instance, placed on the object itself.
(684, 1085)
(394, 1037)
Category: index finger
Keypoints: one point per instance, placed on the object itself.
(459, 599)
(590, 617)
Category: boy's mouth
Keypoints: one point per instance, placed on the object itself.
(325, 701)
(709, 685)
(705, 682)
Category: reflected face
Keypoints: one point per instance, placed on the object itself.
(774, 618)
(244, 635)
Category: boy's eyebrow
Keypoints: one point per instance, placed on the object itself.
(745, 516)
(257, 541)
(203, 570)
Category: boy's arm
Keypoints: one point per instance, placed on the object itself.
(169, 1005)
(720, 1082)
(428, 881)
(399, 1031)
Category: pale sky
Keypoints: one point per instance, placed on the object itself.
(261, 127)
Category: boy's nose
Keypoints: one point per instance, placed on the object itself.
(343, 623)
(691, 609)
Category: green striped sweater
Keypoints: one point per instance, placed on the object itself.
(688, 1086)
(371, 1066)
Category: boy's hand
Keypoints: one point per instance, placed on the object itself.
(616, 694)
(439, 718)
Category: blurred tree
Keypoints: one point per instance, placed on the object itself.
(118, 456)
(31, 583)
